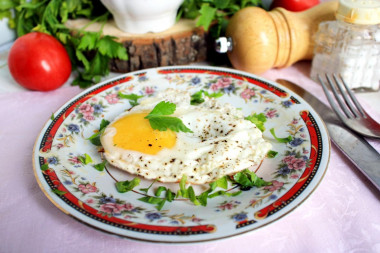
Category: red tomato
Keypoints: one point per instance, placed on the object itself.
(294, 5)
(38, 61)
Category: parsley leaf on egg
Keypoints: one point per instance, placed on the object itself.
(159, 120)
(131, 97)
(258, 120)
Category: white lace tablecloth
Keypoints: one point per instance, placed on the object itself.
(342, 215)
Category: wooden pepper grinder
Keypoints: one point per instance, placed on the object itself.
(257, 40)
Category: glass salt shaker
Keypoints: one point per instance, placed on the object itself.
(350, 45)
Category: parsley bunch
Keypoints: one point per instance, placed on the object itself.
(90, 52)
(213, 13)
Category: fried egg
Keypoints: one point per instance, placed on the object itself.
(222, 142)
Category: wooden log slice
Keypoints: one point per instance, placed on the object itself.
(184, 43)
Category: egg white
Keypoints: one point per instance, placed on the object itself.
(222, 142)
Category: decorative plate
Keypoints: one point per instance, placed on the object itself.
(90, 195)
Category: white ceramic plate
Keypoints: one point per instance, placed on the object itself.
(90, 195)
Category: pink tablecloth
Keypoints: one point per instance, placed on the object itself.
(342, 215)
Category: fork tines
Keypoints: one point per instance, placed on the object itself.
(349, 104)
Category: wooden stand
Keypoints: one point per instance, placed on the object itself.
(182, 44)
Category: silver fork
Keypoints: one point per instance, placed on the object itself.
(350, 111)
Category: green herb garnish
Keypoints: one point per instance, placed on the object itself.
(258, 120)
(131, 97)
(95, 138)
(247, 179)
(147, 189)
(159, 202)
(197, 97)
(272, 154)
(44, 167)
(126, 186)
(52, 116)
(58, 192)
(159, 120)
(281, 140)
(159, 190)
(100, 166)
(85, 159)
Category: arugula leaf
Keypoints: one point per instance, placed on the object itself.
(131, 97)
(100, 166)
(95, 138)
(281, 140)
(126, 186)
(258, 120)
(159, 121)
(85, 159)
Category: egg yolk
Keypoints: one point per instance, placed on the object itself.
(133, 132)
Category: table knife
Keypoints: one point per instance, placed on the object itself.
(354, 146)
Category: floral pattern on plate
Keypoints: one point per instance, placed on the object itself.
(90, 195)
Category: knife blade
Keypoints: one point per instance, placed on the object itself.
(354, 146)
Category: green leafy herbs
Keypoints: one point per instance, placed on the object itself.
(100, 166)
(157, 199)
(244, 180)
(198, 97)
(159, 120)
(52, 117)
(272, 154)
(214, 14)
(126, 186)
(132, 98)
(159, 202)
(258, 120)
(247, 179)
(58, 192)
(85, 159)
(90, 52)
(281, 140)
(95, 138)
(44, 167)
